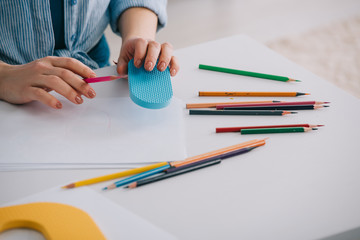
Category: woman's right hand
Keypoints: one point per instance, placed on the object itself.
(33, 81)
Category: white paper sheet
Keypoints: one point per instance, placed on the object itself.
(109, 129)
(114, 221)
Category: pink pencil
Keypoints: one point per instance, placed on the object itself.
(222, 106)
(102, 79)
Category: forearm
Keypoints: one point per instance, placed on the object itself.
(138, 22)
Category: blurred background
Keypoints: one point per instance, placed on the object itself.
(323, 35)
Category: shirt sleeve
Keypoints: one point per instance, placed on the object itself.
(117, 7)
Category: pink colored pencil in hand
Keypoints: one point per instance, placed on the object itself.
(102, 79)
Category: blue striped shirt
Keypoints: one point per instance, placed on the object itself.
(26, 31)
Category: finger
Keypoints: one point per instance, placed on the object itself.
(73, 65)
(141, 46)
(61, 87)
(174, 66)
(152, 55)
(165, 56)
(41, 95)
(73, 80)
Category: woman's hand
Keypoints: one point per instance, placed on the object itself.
(32, 81)
(147, 52)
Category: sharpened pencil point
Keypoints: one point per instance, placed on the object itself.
(293, 112)
(326, 106)
(320, 125)
(71, 185)
(314, 129)
(297, 80)
(104, 188)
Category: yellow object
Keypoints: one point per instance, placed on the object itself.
(115, 175)
(55, 221)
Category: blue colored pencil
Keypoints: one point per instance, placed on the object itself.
(137, 177)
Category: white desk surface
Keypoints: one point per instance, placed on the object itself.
(298, 186)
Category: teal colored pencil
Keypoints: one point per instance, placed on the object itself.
(247, 73)
(137, 177)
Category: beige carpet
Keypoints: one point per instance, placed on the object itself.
(331, 52)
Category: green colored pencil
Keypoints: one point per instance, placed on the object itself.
(247, 73)
(276, 130)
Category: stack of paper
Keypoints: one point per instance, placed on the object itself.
(105, 132)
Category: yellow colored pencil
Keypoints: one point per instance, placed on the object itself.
(115, 175)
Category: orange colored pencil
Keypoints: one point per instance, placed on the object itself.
(213, 105)
(251, 143)
(252, 94)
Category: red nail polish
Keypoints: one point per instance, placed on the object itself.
(58, 105)
(91, 93)
(78, 99)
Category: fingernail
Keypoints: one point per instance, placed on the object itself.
(92, 75)
(173, 72)
(78, 99)
(91, 93)
(58, 105)
(149, 66)
(162, 66)
(138, 63)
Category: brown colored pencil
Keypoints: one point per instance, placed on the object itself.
(251, 143)
(214, 104)
(251, 94)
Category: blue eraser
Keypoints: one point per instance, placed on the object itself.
(149, 89)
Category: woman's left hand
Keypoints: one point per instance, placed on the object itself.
(147, 52)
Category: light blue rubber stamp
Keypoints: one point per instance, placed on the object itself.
(149, 89)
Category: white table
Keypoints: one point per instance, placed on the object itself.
(298, 186)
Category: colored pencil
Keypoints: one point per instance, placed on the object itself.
(115, 175)
(276, 130)
(212, 105)
(219, 107)
(290, 107)
(137, 177)
(239, 112)
(217, 157)
(238, 129)
(247, 73)
(247, 144)
(173, 174)
(101, 79)
(251, 94)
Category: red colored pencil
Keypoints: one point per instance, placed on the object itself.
(238, 129)
(222, 106)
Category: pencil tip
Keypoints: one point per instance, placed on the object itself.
(297, 80)
(104, 188)
(320, 125)
(314, 129)
(326, 102)
(293, 112)
(326, 106)
(71, 185)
